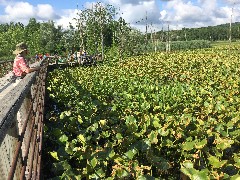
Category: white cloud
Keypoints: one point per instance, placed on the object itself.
(23, 11)
(163, 14)
(46, 12)
(179, 13)
(207, 5)
(20, 10)
(66, 17)
(185, 12)
(135, 12)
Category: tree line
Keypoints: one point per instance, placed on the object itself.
(210, 33)
(96, 30)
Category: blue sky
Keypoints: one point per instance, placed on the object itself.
(176, 13)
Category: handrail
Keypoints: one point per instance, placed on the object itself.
(6, 66)
(21, 127)
(21, 124)
(2, 62)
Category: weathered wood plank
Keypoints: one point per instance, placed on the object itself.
(12, 101)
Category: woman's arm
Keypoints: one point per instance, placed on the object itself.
(32, 69)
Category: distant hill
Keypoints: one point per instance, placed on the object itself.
(212, 33)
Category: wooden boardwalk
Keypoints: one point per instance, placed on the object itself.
(6, 86)
(21, 124)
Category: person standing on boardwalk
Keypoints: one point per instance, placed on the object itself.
(20, 66)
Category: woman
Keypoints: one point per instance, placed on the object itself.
(20, 67)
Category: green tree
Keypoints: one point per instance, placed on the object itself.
(50, 37)
(94, 27)
(32, 36)
(11, 34)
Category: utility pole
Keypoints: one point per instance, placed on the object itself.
(102, 12)
(79, 26)
(185, 34)
(155, 41)
(151, 33)
(146, 32)
(168, 39)
(230, 26)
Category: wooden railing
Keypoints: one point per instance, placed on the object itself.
(21, 121)
(21, 125)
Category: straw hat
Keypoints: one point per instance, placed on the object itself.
(20, 48)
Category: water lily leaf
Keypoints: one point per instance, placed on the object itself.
(153, 137)
(93, 127)
(143, 145)
(131, 153)
(230, 124)
(163, 132)
(226, 143)
(195, 174)
(102, 122)
(60, 166)
(188, 146)
(156, 123)
(235, 134)
(201, 175)
(69, 147)
(201, 144)
(62, 115)
(80, 119)
(237, 162)
(94, 162)
(81, 138)
(68, 113)
(235, 177)
(100, 172)
(63, 138)
(130, 120)
(111, 154)
(215, 162)
(187, 164)
(61, 152)
(121, 173)
(54, 155)
(160, 162)
(188, 171)
(119, 136)
(114, 108)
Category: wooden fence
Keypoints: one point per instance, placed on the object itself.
(21, 125)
